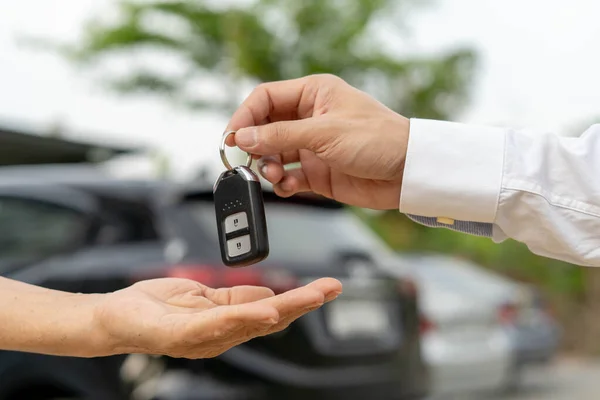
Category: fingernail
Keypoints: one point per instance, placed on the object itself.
(246, 137)
(332, 296)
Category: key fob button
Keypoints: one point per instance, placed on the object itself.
(238, 246)
(235, 222)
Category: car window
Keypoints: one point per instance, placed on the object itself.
(459, 275)
(299, 232)
(30, 230)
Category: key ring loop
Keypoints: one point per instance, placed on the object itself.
(224, 157)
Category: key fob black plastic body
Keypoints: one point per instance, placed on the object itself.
(241, 219)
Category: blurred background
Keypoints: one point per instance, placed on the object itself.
(110, 118)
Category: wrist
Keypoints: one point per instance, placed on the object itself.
(100, 342)
(401, 131)
(107, 338)
(397, 146)
(404, 129)
(111, 337)
(453, 171)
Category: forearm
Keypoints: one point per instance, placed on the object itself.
(541, 190)
(550, 196)
(39, 320)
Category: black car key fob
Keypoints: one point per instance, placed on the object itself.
(240, 214)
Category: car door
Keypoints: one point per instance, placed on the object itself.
(37, 223)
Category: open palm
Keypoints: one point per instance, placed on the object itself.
(183, 318)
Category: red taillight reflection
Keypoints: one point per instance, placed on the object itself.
(507, 313)
(425, 325)
(199, 273)
(407, 287)
(242, 277)
(277, 280)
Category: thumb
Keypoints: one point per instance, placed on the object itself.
(279, 137)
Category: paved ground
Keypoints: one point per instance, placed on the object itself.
(564, 380)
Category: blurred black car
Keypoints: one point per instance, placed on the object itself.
(66, 229)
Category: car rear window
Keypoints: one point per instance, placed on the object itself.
(298, 232)
(459, 275)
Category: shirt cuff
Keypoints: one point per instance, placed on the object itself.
(453, 171)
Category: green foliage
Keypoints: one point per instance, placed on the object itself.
(509, 258)
(271, 40)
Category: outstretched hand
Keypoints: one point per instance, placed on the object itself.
(183, 318)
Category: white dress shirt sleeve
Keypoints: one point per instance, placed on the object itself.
(539, 189)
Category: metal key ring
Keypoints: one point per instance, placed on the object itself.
(224, 157)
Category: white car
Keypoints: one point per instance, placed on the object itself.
(463, 339)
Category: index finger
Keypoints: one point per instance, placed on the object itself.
(306, 297)
(292, 98)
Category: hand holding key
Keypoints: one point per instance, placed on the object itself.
(350, 147)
